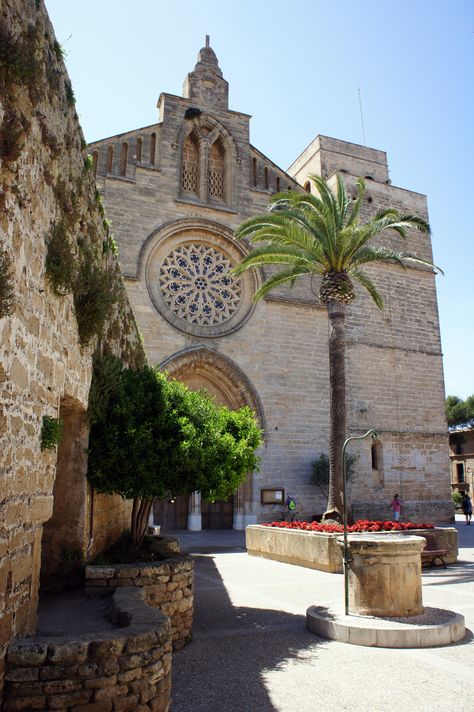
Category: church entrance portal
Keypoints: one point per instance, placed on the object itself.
(200, 368)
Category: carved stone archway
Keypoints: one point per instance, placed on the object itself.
(202, 368)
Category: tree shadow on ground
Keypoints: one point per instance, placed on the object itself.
(233, 648)
(459, 573)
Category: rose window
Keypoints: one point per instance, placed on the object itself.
(196, 285)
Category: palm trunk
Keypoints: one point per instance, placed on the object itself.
(337, 406)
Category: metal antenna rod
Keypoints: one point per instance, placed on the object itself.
(361, 115)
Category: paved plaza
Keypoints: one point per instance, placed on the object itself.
(251, 651)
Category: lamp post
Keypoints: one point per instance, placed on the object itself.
(346, 559)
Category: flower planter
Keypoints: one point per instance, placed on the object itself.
(319, 550)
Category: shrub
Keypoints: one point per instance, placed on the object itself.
(95, 293)
(155, 438)
(51, 432)
(7, 292)
(320, 473)
(61, 260)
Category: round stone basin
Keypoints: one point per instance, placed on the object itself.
(385, 575)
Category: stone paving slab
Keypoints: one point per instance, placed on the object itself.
(251, 651)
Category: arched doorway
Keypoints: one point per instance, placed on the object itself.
(201, 368)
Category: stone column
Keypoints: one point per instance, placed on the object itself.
(385, 575)
(243, 504)
(194, 516)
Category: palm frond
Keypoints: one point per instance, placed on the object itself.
(270, 255)
(366, 282)
(356, 206)
(288, 276)
(368, 253)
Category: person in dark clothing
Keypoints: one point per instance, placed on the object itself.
(467, 507)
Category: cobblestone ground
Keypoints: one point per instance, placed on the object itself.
(251, 651)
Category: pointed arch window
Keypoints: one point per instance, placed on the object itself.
(190, 168)
(152, 148)
(123, 159)
(216, 171)
(95, 162)
(138, 149)
(254, 172)
(277, 184)
(110, 159)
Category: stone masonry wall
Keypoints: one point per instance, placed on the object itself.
(45, 369)
(394, 360)
(167, 585)
(116, 671)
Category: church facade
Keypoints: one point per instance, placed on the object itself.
(175, 191)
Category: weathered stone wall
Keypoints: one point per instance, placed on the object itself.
(125, 669)
(45, 364)
(167, 584)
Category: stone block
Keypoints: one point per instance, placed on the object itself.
(99, 572)
(106, 648)
(110, 693)
(53, 687)
(25, 703)
(126, 704)
(141, 643)
(42, 508)
(104, 706)
(24, 655)
(24, 674)
(98, 683)
(68, 653)
(108, 667)
(129, 676)
(61, 702)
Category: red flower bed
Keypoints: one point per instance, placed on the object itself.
(363, 525)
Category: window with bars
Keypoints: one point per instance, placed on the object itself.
(190, 170)
(216, 172)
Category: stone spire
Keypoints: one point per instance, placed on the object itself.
(207, 56)
(205, 86)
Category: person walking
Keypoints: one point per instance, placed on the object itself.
(291, 507)
(467, 507)
(396, 506)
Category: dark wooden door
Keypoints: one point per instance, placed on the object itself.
(217, 515)
(172, 514)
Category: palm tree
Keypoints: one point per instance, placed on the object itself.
(322, 234)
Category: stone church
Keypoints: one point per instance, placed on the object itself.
(175, 191)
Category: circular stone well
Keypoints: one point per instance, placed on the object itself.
(385, 574)
(434, 627)
(385, 599)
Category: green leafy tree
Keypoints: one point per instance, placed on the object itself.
(320, 471)
(323, 234)
(153, 438)
(460, 412)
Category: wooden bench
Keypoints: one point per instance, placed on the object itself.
(431, 552)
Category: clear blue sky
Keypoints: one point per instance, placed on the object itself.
(296, 68)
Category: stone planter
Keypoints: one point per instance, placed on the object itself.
(292, 546)
(318, 550)
(167, 585)
(128, 668)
